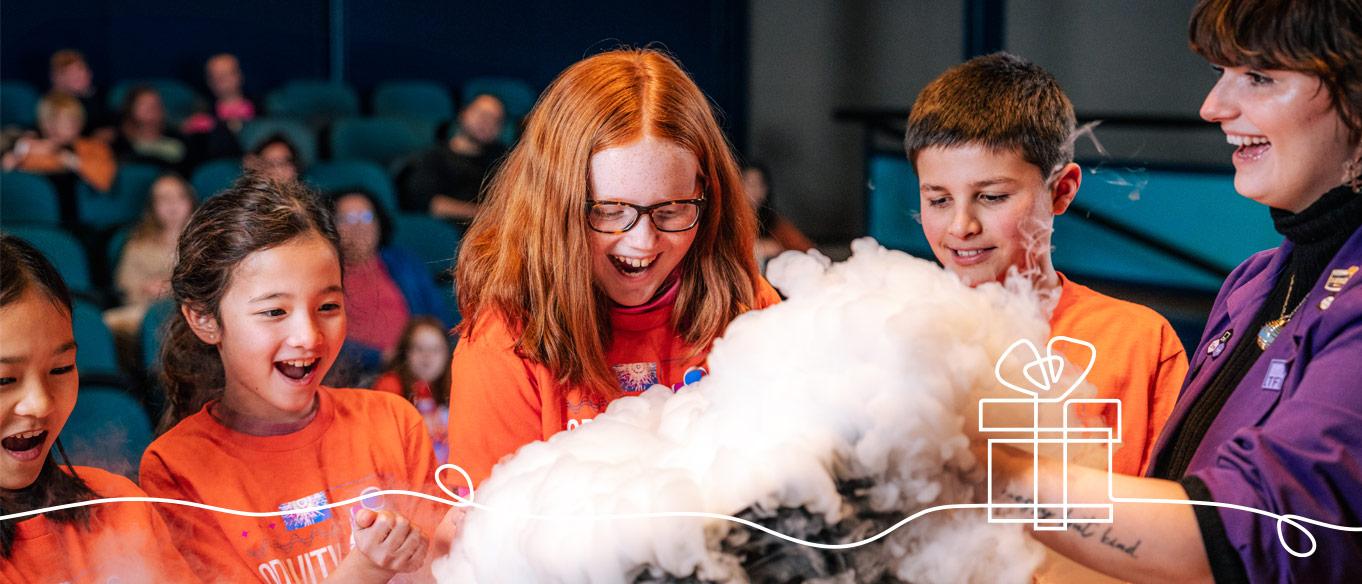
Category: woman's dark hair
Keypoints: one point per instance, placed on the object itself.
(254, 214)
(399, 364)
(1319, 37)
(276, 138)
(24, 267)
(385, 221)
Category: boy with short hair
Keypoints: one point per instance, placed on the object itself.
(991, 141)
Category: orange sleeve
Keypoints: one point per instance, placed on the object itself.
(788, 236)
(97, 166)
(1164, 387)
(204, 545)
(389, 383)
(494, 403)
(766, 294)
(145, 533)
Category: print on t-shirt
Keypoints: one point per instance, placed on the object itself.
(636, 377)
(301, 520)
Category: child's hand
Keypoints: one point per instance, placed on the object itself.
(447, 531)
(389, 541)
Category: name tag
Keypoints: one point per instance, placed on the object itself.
(1276, 374)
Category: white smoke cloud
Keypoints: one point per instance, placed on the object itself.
(855, 402)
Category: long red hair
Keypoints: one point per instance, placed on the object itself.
(526, 257)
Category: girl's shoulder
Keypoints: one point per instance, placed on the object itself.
(104, 483)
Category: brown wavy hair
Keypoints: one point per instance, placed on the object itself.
(254, 214)
(526, 257)
(400, 364)
(1319, 37)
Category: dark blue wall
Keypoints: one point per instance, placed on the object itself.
(447, 41)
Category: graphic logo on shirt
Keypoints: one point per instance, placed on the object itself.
(301, 520)
(635, 377)
(1276, 374)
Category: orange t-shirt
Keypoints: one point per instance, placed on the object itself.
(359, 440)
(1139, 361)
(125, 542)
(500, 401)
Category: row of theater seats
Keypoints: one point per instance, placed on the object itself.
(317, 102)
(30, 200)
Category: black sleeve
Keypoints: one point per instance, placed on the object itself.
(417, 184)
(1226, 566)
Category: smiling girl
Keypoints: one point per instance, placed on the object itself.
(616, 245)
(38, 387)
(258, 282)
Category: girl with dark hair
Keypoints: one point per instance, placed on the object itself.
(258, 281)
(38, 387)
(419, 372)
(1270, 417)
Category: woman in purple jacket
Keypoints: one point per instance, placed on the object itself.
(1270, 418)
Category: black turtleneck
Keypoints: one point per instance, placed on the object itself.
(1316, 234)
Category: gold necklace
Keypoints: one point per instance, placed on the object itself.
(1268, 333)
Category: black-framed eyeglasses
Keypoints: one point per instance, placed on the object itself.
(669, 216)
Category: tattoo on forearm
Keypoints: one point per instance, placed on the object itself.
(1101, 533)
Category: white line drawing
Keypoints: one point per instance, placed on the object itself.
(1050, 368)
(1044, 373)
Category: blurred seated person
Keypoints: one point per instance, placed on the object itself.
(142, 135)
(419, 372)
(274, 157)
(446, 181)
(384, 285)
(58, 151)
(72, 76)
(145, 264)
(215, 131)
(777, 233)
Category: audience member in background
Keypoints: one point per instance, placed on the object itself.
(419, 372)
(775, 233)
(275, 157)
(148, 257)
(215, 131)
(142, 135)
(384, 285)
(71, 75)
(59, 152)
(446, 181)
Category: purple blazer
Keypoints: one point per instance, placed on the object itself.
(1289, 438)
